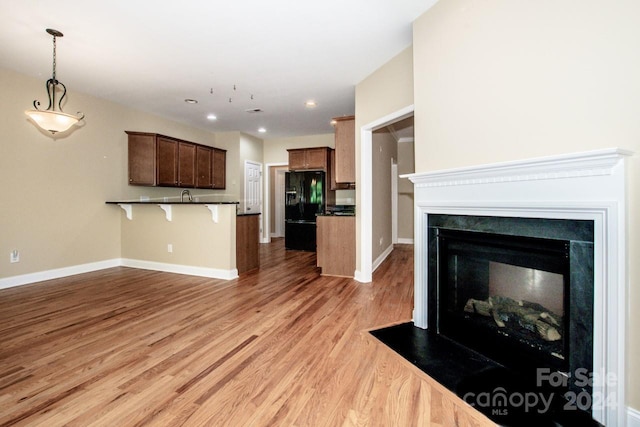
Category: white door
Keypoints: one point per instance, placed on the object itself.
(252, 187)
(279, 203)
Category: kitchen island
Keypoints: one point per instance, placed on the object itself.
(196, 238)
(336, 243)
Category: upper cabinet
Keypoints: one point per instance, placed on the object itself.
(316, 158)
(331, 174)
(142, 159)
(186, 164)
(219, 172)
(204, 157)
(345, 139)
(163, 161)
(167, 161)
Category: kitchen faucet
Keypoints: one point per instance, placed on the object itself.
(185, 191)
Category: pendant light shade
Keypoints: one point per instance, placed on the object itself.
(53, 120)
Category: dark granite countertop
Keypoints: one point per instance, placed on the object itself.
(336, 214)
(159, 202)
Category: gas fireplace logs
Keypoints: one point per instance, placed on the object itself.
(528, 315)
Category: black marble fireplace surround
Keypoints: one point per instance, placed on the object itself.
(462, 251)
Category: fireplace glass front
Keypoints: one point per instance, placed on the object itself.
(505, 296)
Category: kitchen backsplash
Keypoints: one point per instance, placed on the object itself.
(345, 197)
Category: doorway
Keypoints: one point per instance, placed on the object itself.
(364, 231)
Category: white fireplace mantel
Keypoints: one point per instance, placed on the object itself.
(589, 185)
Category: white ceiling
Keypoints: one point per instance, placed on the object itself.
(153, 54)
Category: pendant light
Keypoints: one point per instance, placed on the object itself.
(53, 120)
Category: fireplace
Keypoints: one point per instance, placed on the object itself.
(473, 226)
(517, 290)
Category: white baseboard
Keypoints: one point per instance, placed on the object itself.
(57, 273)
(26, 279)
(633, 417)
(381, 258)
(214, 273)
(405, 241)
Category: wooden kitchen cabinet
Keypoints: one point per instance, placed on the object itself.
(186, 164)
(336, 245)
(331, 174)
(247, 242)
(316, 158)
(142, 159)
(167, 161)
(164, 161)
(219, 171)
(345, 141)
(204, 157)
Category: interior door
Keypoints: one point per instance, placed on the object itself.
(252, 187)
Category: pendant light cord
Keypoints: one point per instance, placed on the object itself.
(54, 59)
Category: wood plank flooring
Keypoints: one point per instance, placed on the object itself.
(280, 346)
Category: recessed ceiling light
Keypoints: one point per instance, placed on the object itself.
(211, 117)
(310, 104)
(333, 122)
(262, 130)
(191, 101)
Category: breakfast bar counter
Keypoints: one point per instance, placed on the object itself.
(197, 238)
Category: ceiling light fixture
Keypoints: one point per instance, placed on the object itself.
(51, 120)
(191, 101)
(212, 117)
(310, 104)
(262, 130)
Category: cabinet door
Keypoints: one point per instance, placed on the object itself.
(316, 158)
(142, 159)
(167, 161)
(331, 174)
(186, 164)
(219, 173)
(345, 137)
(297, 159)
(204, 159)
(247, 242)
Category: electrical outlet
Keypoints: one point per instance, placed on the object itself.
(14, 256)
(381, 240)
(170, 248)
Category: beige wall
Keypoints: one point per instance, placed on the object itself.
(502, 80)
(234, 179)
(197, 240)
(272, 197)
(387, 90)
(52, 207)
(384, 150)
(405, 190)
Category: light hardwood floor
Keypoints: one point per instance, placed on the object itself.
(281, 346)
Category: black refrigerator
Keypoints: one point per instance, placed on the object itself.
(305, 196)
